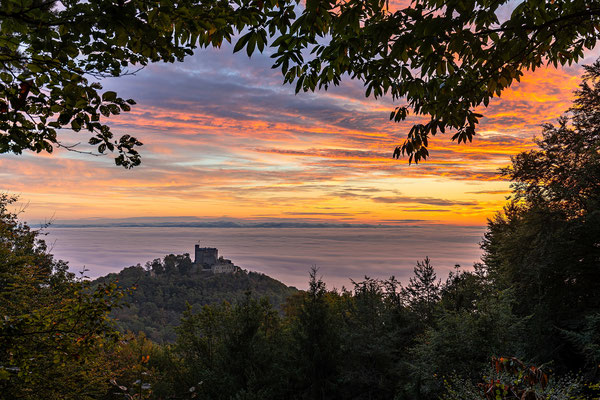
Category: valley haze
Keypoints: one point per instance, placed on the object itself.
(283, 249)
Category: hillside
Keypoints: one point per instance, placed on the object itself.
(165, 287)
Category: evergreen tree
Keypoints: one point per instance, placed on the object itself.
(545, 247)
(315, 345)
(370, 342)
(423, 290)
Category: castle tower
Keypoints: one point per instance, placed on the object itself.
(205, 257)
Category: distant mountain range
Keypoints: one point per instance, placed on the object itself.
(195, 222)
(164, 288)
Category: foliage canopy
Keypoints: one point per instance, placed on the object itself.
(53, 53)
(165, 287)
(443, 58)
(54, 330)
(544, 246)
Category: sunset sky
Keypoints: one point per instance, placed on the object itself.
(223, 138)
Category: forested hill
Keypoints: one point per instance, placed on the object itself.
(163, 288)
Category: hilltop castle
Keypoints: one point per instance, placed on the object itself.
(207, 259)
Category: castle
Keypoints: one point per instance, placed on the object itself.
(207, 259)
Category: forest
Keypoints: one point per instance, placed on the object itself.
(522, 324)
(164, 288)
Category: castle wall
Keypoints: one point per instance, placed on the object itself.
(224, 266)
(206, 256)
(207, 259)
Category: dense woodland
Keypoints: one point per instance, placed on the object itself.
(522, 324)
(165, 288)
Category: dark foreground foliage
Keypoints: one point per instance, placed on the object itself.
(441, 59)
(56, 341)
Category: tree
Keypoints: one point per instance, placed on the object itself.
(587, 341)
(563, 174)
(156, 266)
(464, 289)
(315, 344)
(135, 378)
(463, 323)
(423, 290)
(460, 342)
(370, 341)
(54, 329)
(231, 351)
(443, 57)
(252, 349)
(377, 333)
(544, 246)
(53, 52)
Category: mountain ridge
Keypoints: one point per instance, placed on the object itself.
(165, 288)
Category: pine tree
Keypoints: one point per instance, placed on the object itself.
(545, 245)
(423, 290)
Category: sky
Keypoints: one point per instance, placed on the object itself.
(224, 138)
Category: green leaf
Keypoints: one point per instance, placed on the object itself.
(109, 96)
(251, 45)
(6, 77)
(241, 43)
